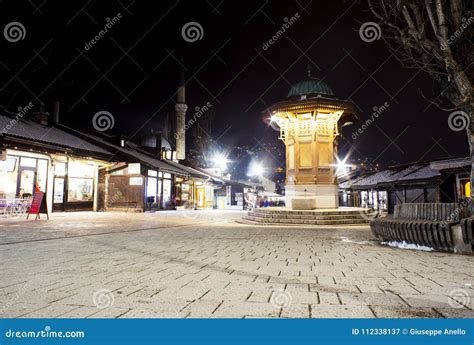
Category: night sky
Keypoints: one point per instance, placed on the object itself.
(133, 70)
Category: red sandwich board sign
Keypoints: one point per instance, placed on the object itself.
(38, 205)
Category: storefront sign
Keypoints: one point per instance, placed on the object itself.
(38, 205)
(134, 168)
(136, 181)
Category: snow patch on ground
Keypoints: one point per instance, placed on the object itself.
(405, 245)
(348, 240)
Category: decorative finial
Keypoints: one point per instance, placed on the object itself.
(309, 70)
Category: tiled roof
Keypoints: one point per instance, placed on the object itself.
(400, 173)
(133, 151)
(454, 163)
(424, 173)
(373, 179)
(37, 134)
(350, 182)
(393, 175)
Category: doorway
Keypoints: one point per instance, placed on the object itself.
(26, 182)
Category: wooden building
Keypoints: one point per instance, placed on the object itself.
(445, 180)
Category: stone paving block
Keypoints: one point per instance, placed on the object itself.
(78, 312)
(371, 299)
(175, 267)
(247, 309)
(434, 301)
(295, 311)
(262, 296)
(201, 308)
(110, 312)
(153, 314)
(303, 297)
(328, 298)
(334, 288)
(456, 312)
(399, 289)
(20, 310)
(404, 312)
(341, 311)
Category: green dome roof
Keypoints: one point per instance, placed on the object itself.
(310, 86)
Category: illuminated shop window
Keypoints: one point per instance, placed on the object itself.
(79, 189)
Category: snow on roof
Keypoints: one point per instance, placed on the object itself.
(417, 171)
(350, 182)
(373, 179)
(421, 174)
(453, 163)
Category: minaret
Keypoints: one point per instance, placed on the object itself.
(180, 109)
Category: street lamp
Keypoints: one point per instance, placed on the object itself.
(221, 161)
(256, 169)
(341, 166)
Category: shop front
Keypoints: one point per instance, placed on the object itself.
(69, 184)
(22, 173)
(184, 192)
(159, 190)
(204, 195)
(75, 184)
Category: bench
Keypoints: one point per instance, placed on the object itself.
(425, 224)
(463, 234)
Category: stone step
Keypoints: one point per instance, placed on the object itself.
(281, 221)
(309, 212)
(124, 209)
(309, 217)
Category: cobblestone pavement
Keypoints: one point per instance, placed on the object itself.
(203, 264)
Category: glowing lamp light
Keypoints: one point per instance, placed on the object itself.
(256, 169)
(221, 161)
(341, 166)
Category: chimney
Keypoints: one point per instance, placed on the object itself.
(41, 116)
(180, 109)
(56, 112)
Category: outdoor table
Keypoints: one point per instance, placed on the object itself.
(14, 206)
